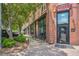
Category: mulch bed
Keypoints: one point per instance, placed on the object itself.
(17, 48)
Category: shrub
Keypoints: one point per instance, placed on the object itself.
(8, 43)
(20, 38)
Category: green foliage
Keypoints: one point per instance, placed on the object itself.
(21, 38)
(18, 12)
(8, 43)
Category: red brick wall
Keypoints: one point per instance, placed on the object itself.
(51, 30)
(50, 24)
(78, 22)
(73, 25)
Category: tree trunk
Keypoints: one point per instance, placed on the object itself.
(9, 30)
(0, 27)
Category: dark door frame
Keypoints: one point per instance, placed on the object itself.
(68, 25)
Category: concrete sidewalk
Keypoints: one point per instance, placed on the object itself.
(71, 51)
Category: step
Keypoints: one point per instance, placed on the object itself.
(63, 45)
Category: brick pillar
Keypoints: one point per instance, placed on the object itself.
(36, 29)
(73, 25)
(51, 24)
(78, 22)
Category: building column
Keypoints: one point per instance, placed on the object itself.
(51, 24)
(73, 25)
(37, 29)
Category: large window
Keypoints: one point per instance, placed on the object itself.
(42, 28)
(63, 18)
(32, 29)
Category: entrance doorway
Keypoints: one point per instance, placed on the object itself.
(63, 27)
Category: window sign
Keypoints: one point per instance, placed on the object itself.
(63, 7)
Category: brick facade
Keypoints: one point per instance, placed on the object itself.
(74, 24)
(50, 24)
(51, 27)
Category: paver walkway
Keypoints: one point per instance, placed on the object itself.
(71, 51)
(39, 48)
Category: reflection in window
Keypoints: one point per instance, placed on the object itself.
(62, 18)
(42, 28)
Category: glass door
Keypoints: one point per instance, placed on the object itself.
(63, 27)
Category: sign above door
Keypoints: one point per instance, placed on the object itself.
(63, 7)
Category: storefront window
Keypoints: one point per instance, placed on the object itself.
(42, 28)
(63, 18)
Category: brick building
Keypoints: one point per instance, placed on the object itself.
(55, 23)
